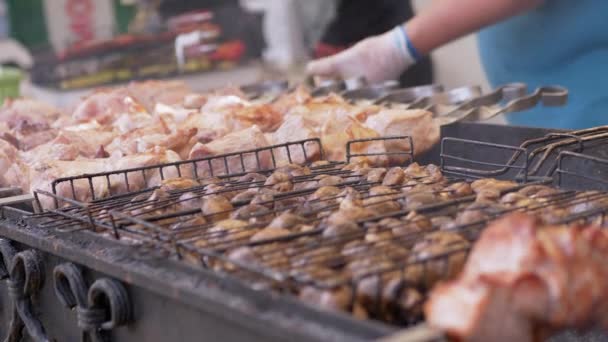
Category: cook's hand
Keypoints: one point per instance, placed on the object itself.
(377, 58)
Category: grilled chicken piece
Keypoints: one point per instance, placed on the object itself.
(255, 213)
(286, 221)
(190, 228)
(335, 136)
(137, 180)
(15, 112)
(441, 255)
(418, 124)
(389, 298)
(414, 170)
(416, 199)
(248, 139)
(151, 136)
(517, 199)
(69, 146)
(244, 196)
(356, 165)
(189, 201)
(350, 210)
(42, 174)
(535, 191)
(26, 136)
(376, 175)
(149, 93)
(269, 233)
(377, 232)
(178, 183)
(487, 184)
(459, 189)
(340, 228)
(528, 277)
(325, 180)
(252, 177)
(265, 197)
(216, 207)
(296, 128)
(393, 177)
(474, 213)
(413, 223)
(324, 193)
(279, 181)
(226, 233)
(339, 299)
(105, 106)
(8, 156)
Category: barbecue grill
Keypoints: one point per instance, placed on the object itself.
(118, 268)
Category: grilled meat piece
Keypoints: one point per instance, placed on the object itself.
(376, 175)
(178, 183)
(340, 299)
(252, 177)
(529, 276)
(535, 191)
(244, 196)
(413, 223)
(324, 193)
(248, 139)
(287, 221)
(216, 207)
(340, 228)
(8, 156)
(255, 213)
(441, 256)
(418, 124)
(459, 189)
(417, 199)
(269, 233)
(325, 180)
(279, 181)
(394, 176)
(389, 298)
(294, 170)
(489, 184)
(295, 128)
(225, 232)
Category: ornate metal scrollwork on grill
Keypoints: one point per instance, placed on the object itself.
(24, 274)
(101, 308)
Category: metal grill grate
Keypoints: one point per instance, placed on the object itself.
(413, 233)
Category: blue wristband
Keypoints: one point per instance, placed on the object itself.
(408, 44)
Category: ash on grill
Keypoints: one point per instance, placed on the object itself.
(343, 236)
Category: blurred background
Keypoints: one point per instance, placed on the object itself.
(57, 50)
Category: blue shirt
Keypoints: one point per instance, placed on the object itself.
(563, 42)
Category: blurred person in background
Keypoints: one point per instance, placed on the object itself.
(356, 20)
(533, 41)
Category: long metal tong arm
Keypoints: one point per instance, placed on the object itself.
(478, 109)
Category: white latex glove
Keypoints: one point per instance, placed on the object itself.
(379, 58)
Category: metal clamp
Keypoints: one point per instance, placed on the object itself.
(409, 95)
(480, 109)
(105, 298)
(24, 274)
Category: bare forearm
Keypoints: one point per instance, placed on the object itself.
(446, 20)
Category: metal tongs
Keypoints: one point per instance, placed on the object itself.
(515, 95)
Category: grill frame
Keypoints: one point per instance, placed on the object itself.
(254, 311)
